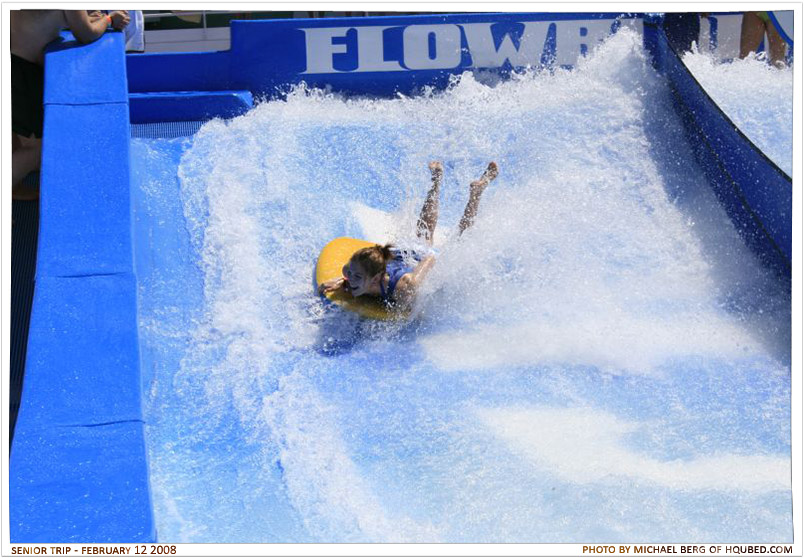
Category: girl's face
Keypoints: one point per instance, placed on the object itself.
(359, 282)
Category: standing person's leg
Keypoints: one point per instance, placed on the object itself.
(476, 189)
(27, 118)
(425, 226)
(751, 33)
(26, 155)
(777, 48)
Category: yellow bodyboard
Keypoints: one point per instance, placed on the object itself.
(330, 266)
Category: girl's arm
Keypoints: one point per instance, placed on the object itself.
(409, 283)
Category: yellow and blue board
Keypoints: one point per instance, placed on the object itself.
(330, 265)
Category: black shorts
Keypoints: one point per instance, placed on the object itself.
(27, 97)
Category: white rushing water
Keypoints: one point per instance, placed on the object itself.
(756, 96)
(599, 358)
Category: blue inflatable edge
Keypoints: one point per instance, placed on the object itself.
(78, 469)
(756, 193)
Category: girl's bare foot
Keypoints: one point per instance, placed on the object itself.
(436, 170)
(477, 187)
(475, 191)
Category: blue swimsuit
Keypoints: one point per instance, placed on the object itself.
(395, 269)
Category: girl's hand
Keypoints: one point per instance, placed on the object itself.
(120, 19)
(331, 286)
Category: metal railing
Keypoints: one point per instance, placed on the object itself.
(151, 16)
(156, 16)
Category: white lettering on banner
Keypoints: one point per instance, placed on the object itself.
(571, 36)
(320, 48)
(416, 46)
(438, 46)
(370, 51)
(484, 55)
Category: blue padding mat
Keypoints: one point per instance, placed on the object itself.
(166, 130)
(85, 191)
(83, 333)
(85, 484)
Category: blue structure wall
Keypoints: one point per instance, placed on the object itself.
(78, 467)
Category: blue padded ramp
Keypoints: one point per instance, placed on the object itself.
(78, 467)
(88, 78)
(75, 214)
(80, 484)
(89, 385)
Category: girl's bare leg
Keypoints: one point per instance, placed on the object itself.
(425, 227)
(476, 189)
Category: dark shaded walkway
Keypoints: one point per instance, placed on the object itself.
(24, 233)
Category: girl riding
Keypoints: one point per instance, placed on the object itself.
(386, 272)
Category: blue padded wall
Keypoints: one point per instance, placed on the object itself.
(76, 213)
(78, 468)
(84, 74)
(189, 71)
(79, 370)
(756, 193)
(80, 484)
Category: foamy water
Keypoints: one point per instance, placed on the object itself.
(756, 96)
(598, 358)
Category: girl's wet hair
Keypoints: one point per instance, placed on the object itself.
(372, 260)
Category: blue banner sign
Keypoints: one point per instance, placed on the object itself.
(381, 56)
(386, 55)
